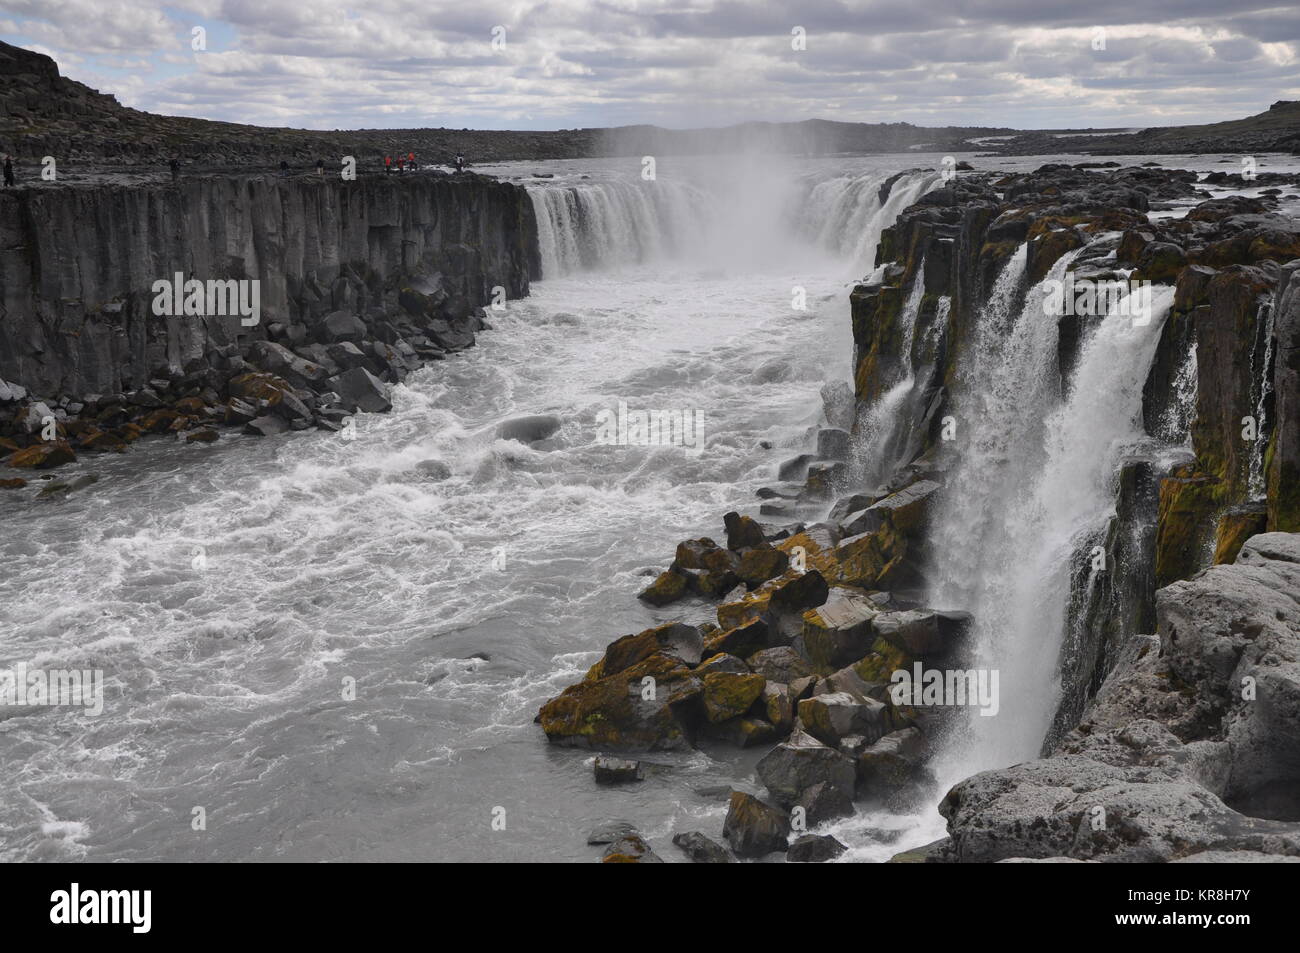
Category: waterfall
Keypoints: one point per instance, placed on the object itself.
(880, 425)
(605, 224)
(1031, 491)
(844, 213)
(746, 214)
(1262, 387)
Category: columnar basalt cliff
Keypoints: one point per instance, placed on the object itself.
(378, 273)
(816, 622)
(1214, 468)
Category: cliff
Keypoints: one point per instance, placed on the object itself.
(381, 273)
(1200, 548)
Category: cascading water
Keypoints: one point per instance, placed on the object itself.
(878, 425)
(374, 560)
(1263, 387)
(605, 224)
(1034, 482)
(845, 213)
(748, 211)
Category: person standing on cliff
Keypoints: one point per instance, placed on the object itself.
(410, 160)
(460, 163)
(388, 165)
(284, 166)
(320, 167)
(175, 166)
(9, 171)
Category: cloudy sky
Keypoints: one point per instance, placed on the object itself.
(565, 63)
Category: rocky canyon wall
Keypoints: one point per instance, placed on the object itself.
(76, 316)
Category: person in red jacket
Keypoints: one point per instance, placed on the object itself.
(388, 164)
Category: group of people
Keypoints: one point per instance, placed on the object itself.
(408, 162)
(403, 163)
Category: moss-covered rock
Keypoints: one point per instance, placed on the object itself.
(729, 695)
(667, 588)
(753, 828)
(758, 564)
(647, 706)
(1235, 527)
(43, 456)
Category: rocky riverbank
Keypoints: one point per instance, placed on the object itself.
(358, 283)
(1177, 745)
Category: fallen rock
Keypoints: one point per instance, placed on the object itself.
(795, 765)
(358, 389)
(729, 695)
(753, 828)
(824, 802)
(667, 588)
(702, 850)
(923, 632)
(832, 717)
(643, 707)
(742, 532)
(631, 849)
(617, 771)
(266, 426)
(43, 456)
(814, 849)
(529, 429)
(780, 664)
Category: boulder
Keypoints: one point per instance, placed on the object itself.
(702, 850)
(923, 632)
(647, 706)
(778, 705)
(268, 425)
(758, 564)
(779, 664)
(832, 717)
(631, 849)
(529, 429)
(667, 588)
(283, 363)
(742, 531)
(342, 326)
(753, 828)
(795, 765)
(743, 640)
(892, 762)
(616, 770)
(824, 802)
(675, 639)
(814, 849)
(729, 694)
(359, 390)
(839, 631)
(1188, 745)
(43, 456)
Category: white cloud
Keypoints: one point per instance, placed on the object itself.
(329, 64)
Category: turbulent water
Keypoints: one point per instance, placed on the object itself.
(1035, 480)
(336, 655)
(234, 594)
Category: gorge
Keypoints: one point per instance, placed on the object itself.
(405, 614)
